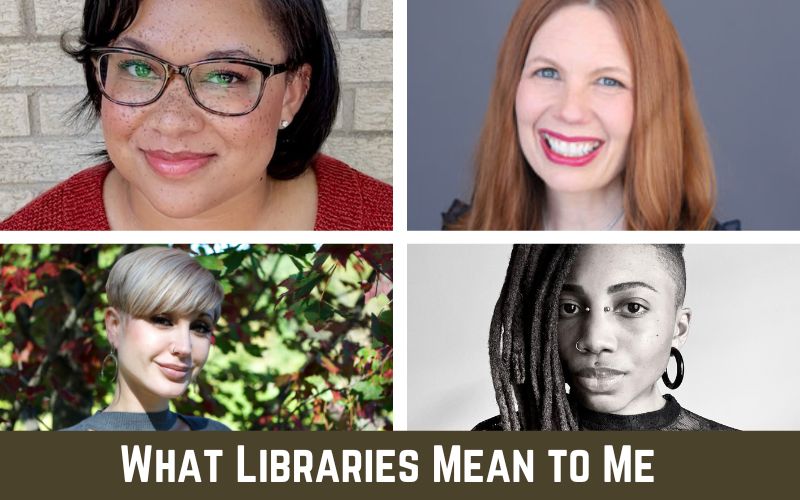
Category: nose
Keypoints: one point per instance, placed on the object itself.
(599, 332)
(181, 345)
(175, 112)
(573, 106)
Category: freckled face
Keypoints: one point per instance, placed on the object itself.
(574, 102)
(625, 349)
(234, 151)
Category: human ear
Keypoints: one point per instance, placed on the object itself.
(684, 317)
(297, 85)
(114, 323)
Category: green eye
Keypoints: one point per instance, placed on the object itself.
(224, 79)
(139, 69)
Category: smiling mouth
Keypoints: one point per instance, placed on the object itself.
(569, 151)
(175, 165)
(176, 373)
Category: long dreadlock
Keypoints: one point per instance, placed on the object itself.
(523, 340)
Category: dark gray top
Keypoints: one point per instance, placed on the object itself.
(128, 421)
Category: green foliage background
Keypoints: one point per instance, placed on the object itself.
(305, 339)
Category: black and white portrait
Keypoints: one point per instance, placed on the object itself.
(602, 337)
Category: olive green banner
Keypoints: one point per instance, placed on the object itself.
(395, 465)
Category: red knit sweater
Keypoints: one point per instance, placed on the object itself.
(346, 200)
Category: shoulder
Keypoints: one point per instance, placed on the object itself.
(457, 210)
(493, 424)
(96, 422)
(350, 200)
(75, 204)
(203, 424)
(731, 225)
(692, 421)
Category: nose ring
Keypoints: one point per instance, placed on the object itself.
(578, 347)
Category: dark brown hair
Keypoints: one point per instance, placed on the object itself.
(302, 27)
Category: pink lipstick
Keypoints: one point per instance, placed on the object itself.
(569, 151)
(176, 164)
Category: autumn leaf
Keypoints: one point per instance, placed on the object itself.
(23, 356)
(329, 365)
(47, 269)
(28, 297)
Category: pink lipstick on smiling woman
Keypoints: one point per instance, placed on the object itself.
(176, 164)
(569, 151)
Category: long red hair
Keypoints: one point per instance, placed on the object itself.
(669, 179)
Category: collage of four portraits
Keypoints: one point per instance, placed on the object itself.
(408, 215)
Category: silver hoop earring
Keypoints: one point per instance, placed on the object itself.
(579, 348)
(284, 124)
(113, 356)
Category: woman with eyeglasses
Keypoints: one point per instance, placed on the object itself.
(213, 115)
(162, 309)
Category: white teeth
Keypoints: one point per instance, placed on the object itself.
(571, 149)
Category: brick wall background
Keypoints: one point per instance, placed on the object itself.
(38, 148)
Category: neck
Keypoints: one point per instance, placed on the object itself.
(598, 210)
(128, 400)
(238, 213)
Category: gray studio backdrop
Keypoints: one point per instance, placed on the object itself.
(740, 356)
(744, 62)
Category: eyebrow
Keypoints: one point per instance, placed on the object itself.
(540, 59)
(215, 54)
(569, 287)
(619, 287)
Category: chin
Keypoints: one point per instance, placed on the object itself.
(170, 390)
(176, 205)
(604, 403)
(566, 181)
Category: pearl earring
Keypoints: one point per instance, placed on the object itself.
(284, 124)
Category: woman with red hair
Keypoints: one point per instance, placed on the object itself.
(592, 124)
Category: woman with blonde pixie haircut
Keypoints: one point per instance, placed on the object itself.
(163, 306)
(592, 124)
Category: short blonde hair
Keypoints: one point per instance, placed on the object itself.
(158, 280)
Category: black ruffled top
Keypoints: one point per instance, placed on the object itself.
(458, 209)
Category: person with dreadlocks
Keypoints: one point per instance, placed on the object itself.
(602, 320)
